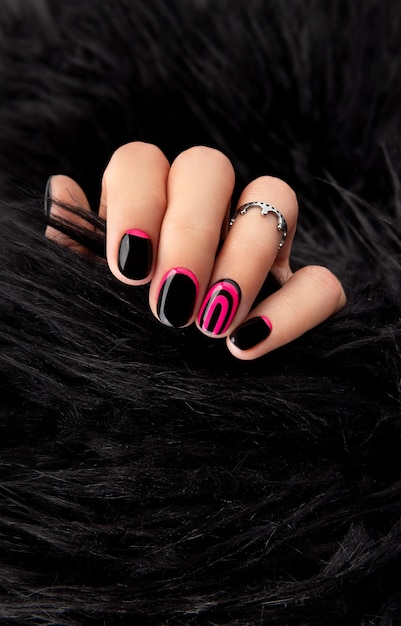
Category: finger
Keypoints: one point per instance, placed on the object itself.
(63, 192)
(200, 184)
(309, 297)
(248, 254)
(134, 199)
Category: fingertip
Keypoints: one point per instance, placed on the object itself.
(248, 341)
(115, 269)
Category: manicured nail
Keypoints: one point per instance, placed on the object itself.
(251, 332)
(177, 297)
(47, 204)
(219, 307)
(135, 254)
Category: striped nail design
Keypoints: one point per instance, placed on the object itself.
(219, 307)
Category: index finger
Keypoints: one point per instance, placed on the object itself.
(134, 201)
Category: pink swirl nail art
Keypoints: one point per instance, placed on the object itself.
(219, 307)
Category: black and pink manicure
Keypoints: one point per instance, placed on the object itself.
(135, 254)
(177, 297)
(219, 307)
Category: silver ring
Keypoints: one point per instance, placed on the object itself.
(264, 210)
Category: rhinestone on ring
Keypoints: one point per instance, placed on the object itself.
(264, 210)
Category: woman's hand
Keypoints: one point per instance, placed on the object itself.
(164, 227)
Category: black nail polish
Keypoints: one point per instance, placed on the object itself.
(47, 203)
(177, 297)
(135, 255)
(251, 332)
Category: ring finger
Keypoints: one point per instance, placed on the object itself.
(249, 252)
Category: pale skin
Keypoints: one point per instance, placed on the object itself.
(183, 208)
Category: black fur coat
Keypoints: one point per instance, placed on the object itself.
(146, 477)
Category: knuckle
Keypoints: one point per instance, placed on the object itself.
(204, 155)
(122, 157)
(196, 233)
(278, 183)
(327, 282)
(134, 149)
(271, 186)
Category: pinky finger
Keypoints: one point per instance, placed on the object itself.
(66, 207)
(308, 298)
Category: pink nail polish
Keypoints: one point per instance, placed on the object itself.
(219, 307)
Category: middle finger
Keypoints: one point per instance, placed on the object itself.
(199, 187)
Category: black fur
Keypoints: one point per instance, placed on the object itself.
(146, 477)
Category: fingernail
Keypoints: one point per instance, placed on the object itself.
(47, 204)
(177, 297)
(135, 255)
(219, 307)
(251, 332)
